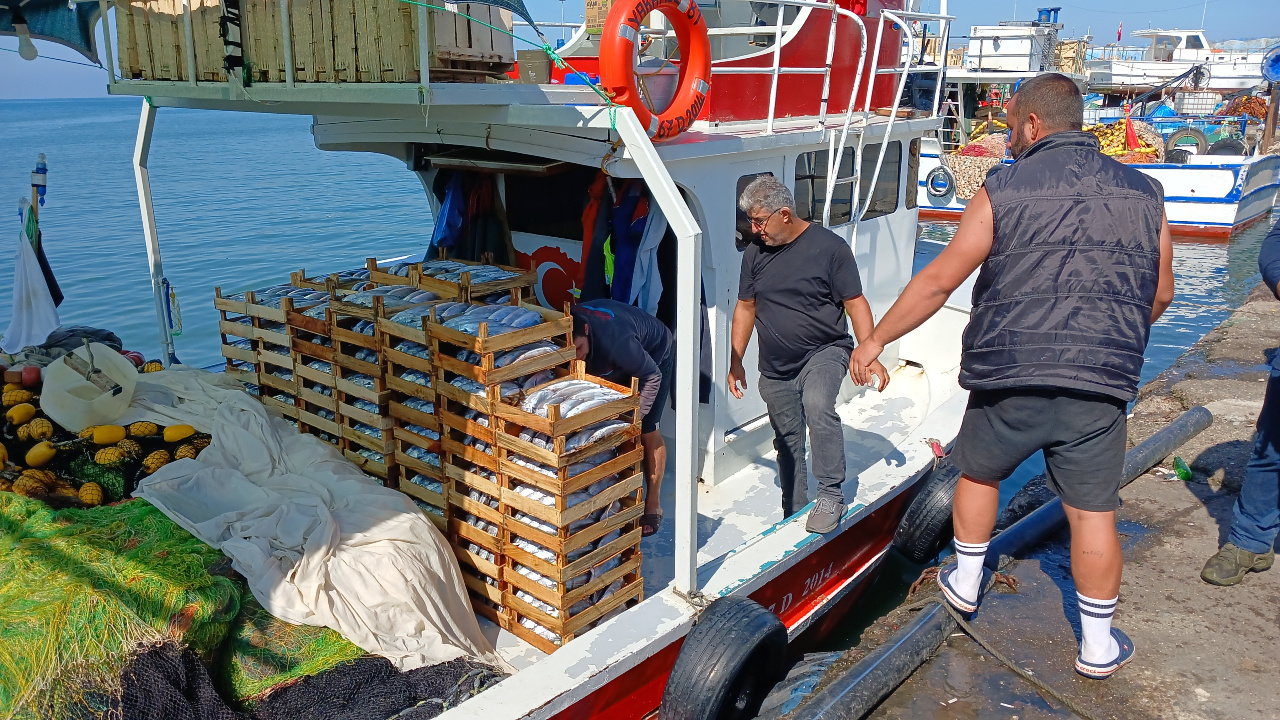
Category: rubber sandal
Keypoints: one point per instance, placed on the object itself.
(954, 599)
(650, 520)
(1102, 671)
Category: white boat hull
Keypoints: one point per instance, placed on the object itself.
(1210, 196)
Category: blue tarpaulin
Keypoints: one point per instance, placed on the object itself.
(69, 24)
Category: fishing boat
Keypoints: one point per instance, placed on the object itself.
(1207, 196)
(806, 90)
(1123, 70)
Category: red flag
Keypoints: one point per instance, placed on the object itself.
(1130, 135)
(1119, 30)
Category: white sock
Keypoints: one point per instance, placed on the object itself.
(967, 579)
(1097, 645)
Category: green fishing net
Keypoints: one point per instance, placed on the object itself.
(80, 589)
(263, 652)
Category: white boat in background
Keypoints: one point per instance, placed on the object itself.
(1210, 196)
(1171, 53)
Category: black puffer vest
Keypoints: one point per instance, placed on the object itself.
(1064, 300)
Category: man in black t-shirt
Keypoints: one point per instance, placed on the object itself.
(798, 283)
(619, 342)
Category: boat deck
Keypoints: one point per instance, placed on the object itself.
(749, 503)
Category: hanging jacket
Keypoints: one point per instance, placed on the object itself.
(628, 222)
(1064, 299)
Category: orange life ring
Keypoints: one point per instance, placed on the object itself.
(617, 62)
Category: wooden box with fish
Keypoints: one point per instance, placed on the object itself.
(469, 281)
(477, 537)
(569, 462)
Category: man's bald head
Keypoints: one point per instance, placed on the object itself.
(1043, 105)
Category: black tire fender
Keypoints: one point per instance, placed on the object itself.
(925, 529)
(1183, 133)
(730, 660)
(1177, 157)
(1228, 146)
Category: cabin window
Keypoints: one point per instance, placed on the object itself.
(743, 234)
(811, 187)
(913, 174)
(1194, 43)
(884, 197)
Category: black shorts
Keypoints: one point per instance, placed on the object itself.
(668, 369)
(1083, 436)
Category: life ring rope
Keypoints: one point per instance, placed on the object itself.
(618, 76)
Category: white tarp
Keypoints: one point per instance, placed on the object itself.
(319, 542)
(34, 314)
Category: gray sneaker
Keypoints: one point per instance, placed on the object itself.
(1231, 564)
(825, 516)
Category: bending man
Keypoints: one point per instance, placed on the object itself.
(620, 342)
(798, 283)
(1077, 263)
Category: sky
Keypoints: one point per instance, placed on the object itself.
(1223, 20)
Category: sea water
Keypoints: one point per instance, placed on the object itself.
(241, 200)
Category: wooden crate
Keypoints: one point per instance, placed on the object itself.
(428, 496)
(331, 283)
(465, 291)
(462, 534)
(626, 408)
(625, 548)
(385, 469)
(558, 325)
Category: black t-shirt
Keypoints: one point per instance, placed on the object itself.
(626, 342)
(799, 289)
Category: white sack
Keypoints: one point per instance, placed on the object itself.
(34, 314)
(319, 542)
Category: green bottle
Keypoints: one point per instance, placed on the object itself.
(1180, 467)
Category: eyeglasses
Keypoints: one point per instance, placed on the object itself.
(757, 225)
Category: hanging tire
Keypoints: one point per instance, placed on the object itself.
(1177, 157)
(925, 529)
(940, 182)
(729, 662)
(1228, 146)
(1177, 141)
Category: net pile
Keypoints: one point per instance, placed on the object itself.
(971, 164)
(80, 589)
(263, 652)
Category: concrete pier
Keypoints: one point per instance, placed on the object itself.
(1203, 652)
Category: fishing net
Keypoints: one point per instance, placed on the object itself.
(80, 589)
(263, 652)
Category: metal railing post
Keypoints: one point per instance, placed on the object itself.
(688, 330)
(189, 34)
(777, 61)
(108, 57)
(288, 43)
(826, 75)
(141, 155)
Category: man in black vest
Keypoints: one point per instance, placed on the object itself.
(1077, 263)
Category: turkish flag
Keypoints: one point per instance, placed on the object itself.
(1119, 30)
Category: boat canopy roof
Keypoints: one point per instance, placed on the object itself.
(69, 24)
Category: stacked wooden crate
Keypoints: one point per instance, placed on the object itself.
(236, 327)
(469, 385)
(312, 348)
(330, 41)
(572, 496)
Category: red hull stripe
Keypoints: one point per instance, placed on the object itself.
(795, 595)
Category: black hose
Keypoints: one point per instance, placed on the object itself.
(859, 689)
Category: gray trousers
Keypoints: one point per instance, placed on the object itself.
(809, 399)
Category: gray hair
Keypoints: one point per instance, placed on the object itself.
(766, 193)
